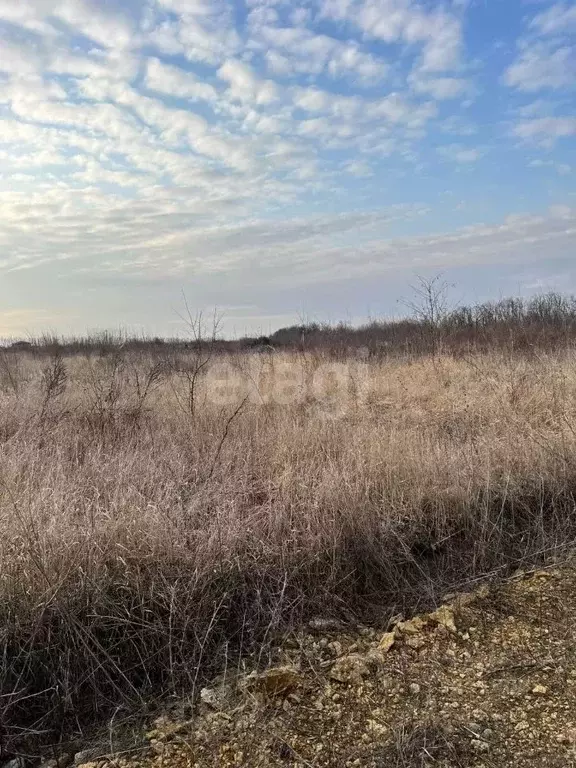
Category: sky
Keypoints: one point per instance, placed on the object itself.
(279, 160)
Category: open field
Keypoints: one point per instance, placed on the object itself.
(162, 514)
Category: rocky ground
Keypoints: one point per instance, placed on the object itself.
(487, 680)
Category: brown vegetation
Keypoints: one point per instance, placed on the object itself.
(161, 513)
(543, 322)
(489, 683)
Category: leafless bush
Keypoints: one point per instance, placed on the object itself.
(54, 378)
(200, 350)
(429, 305)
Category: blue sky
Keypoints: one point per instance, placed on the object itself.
(279, 159)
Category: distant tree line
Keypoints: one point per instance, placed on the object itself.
(541, 322)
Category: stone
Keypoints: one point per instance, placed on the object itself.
(86, 756)
(542, 575)
(165, 729)
(157, 747)
(387, 641)
(414, 688)
(480, 746)
(63, 761)
(350, 669)
(416, 642)
(277, 681)
(444, 617)
(216, 698)
(540, 690)
(412, 626)
(336, 647)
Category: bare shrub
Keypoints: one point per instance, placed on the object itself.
(54, 378)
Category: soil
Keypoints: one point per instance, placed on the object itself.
(488, 680)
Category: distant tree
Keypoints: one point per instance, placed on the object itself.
(430, 305)
(21, 345)
(261, 341)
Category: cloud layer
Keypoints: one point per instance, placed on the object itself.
(272, 140)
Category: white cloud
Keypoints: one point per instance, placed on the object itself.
(349, 60)
(321, 126)
(458, 126)
(111, 65)
(397, 109)
(174, 82)
(172, 238)
(439, 88)
(300, 16)
(437, 31)
(196, 7)
(160, 240)
(359, 168)
(312, 99)
(241, 112)
(102, 22)
(176, 127)
(31, 93)
(278, 64)
(560, 18)
(562, 169)
(459, 154)
(443, 36)
(546, 130)
(203, 31)
(292, 50)
(541, 66)
(297, 251)
(29, 14)
(537, 108)
(266, 124)
(19, 59)
(244, 85)
(546, 53)
(174, 124)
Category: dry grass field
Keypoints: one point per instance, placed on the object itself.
(161, 515)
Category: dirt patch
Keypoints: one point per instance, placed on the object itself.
(489, 680)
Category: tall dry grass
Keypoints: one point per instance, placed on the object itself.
(158, 518)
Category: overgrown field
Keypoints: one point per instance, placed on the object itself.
(161, 515)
